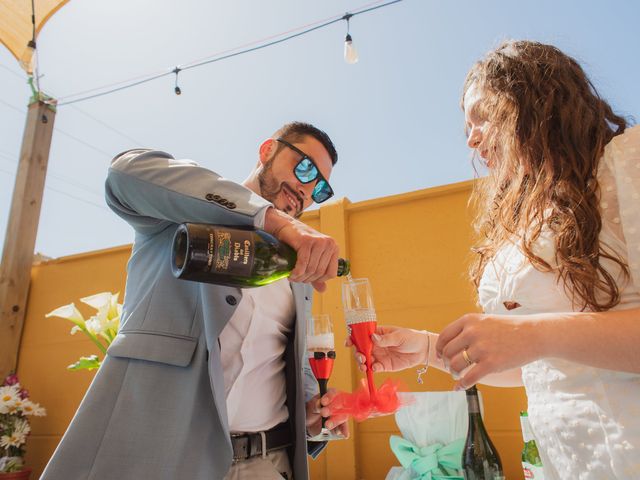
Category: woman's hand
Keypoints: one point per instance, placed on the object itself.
(395, 348)
(493, 343)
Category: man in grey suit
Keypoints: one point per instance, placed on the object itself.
(203, 381)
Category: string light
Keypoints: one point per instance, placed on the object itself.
(350, 52)
(27, 58)
(145, 79)
(177, 88)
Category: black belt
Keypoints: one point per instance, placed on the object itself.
(247, 445)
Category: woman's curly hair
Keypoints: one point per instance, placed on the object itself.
(548, 129)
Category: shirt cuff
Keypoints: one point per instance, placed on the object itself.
(258, 220)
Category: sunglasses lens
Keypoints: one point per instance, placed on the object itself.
(306, 171)
(322, 192)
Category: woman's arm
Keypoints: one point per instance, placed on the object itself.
(398, 348)
(496, 343)
(608, 340)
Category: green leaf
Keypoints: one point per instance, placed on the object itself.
(86, 363)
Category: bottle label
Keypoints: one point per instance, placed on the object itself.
(231, 252)
(532, 472)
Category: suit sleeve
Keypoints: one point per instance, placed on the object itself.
(151, 190)
(310, 389)
(310, 383)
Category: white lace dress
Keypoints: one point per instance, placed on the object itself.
(586, 420)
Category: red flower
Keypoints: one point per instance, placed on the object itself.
(11, 379)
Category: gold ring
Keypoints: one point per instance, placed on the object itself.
(465, 355)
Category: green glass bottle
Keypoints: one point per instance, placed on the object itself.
(480, 459)
(232, 256)
(531, 463)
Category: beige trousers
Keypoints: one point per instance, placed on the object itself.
(274, 467)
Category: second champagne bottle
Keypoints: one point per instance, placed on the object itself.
(232, 256)
(480, 459)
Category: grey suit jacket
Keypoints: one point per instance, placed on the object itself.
(157, 408)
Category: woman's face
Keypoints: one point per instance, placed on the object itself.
(477, 125)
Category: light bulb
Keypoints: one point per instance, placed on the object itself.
(350, 52)
(26, 60)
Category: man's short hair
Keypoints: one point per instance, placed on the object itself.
(295, 131)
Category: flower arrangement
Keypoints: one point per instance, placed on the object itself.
(100, 328)
(15, 408)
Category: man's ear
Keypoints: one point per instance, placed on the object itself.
(266, 150)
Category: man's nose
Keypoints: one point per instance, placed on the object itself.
(305, 190)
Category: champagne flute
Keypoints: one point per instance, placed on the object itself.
(360, 315)
(321, 348)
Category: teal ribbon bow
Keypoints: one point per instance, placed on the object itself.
(433, 462)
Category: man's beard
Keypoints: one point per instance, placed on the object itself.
(270, 189)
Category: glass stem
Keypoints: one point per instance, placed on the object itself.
(322, 383)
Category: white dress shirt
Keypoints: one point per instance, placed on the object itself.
(252, 354)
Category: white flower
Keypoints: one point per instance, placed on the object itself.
(14, 440)
(101, 328)
(70, 312)
(39, 411)
(16, 407)
(32, 408)
(9, 398)
(22, 427)
(108, 316)
(101, 323)
(105, 301)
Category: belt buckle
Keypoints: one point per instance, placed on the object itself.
(254, 444)
(240, 451)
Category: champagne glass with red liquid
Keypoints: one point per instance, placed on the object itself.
(360, 315)
(321, 348)
(368, 401)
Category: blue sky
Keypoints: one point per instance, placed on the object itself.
(394, 116)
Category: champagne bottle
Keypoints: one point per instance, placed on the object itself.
(531, 463)
(233, 256)
(480, 459)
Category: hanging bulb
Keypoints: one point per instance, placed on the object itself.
(350, 52)
(177, 88)
(27, 59)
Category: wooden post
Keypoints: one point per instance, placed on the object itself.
(20, 239)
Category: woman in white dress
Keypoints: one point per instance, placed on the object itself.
(557, 265)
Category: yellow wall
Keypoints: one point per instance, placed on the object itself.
(47, 347)
(414, 249)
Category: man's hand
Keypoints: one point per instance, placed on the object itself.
(318, 408)
(317, 253)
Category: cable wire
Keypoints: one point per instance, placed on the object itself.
(188, 66)
(75, 107)
(73, 137)
(62, 178)
(62, 192)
